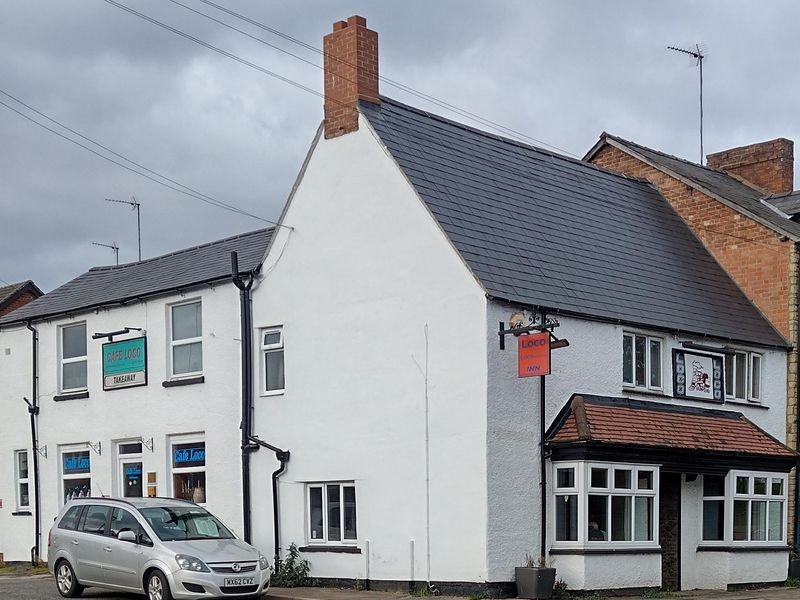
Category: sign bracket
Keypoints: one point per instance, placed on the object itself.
(96, 446)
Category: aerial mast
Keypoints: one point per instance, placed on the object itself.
(113, 246)
(697, 54)
(135, 206)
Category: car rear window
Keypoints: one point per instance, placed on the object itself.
(70, 518)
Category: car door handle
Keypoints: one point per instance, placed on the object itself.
(107, 548)
(75, 542)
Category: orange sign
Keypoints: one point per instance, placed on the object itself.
(533, 354)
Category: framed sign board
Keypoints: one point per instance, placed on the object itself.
(698, 376)
(125, 363)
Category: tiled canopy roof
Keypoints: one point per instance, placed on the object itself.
(626, 422)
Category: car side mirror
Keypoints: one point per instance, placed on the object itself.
(126, 536)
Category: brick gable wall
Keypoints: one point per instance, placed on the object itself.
(21, 300)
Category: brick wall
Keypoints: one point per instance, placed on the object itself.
(769, 165)
(351, 73)
(21, 300)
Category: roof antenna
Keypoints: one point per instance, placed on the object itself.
(113, 246)
(134, 204)
(698, 54)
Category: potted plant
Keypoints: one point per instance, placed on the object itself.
(535, 579)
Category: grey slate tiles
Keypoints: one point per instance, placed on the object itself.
(545, 230)
(102, 286)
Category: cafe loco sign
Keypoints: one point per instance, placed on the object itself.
(533, 354)
(125, 363)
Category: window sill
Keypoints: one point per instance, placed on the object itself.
(745, 403)
(21, 513)
(71, 396)
(272, 393)
(643, 391)
(750, 547)
(340, 549)
(185, 381)
(608, 550)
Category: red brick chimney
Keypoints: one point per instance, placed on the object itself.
(351, 73)
(768, 165)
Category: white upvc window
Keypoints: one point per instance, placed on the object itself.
(744, 376)
(642, 361)
(272, 363)
(744, 507)
(72, 357)
(605, 504)
(76, 469)
(331, 510)
(188, 468)
(186, 339)
(21, 478)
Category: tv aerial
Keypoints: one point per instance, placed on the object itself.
(113, 246)
(698, 54)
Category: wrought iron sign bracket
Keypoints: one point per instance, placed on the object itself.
(147, 443)
(97, 447)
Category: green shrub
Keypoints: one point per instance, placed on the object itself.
(792, 582)
(560, 590)
(291, 571)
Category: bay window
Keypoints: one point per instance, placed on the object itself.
(613, 504)
(642, 361)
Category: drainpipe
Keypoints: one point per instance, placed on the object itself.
(542, 456)
(246, 426)
(33, 410)
(283, 457)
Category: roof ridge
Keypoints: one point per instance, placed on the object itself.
(511, 141)
(177, 252)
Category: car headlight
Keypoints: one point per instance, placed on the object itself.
(263, 563)
(190, 563)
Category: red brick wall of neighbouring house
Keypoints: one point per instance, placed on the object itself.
(751, 253)
(351, 73)
(769, 165)
(21, 300)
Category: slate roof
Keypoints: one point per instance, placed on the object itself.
(627, 422)
(541, 229)
(787, 203)
(102, 286)
(718, 183)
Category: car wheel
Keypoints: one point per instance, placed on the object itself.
(157, 587)
(66, 582)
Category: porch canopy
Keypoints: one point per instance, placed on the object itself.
(682, 439)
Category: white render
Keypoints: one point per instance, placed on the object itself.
(209, 411)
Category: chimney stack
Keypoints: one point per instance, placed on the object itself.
(351, 73)
(768, 165)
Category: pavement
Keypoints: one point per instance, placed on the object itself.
(42, 587)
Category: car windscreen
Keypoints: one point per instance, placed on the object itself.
(185, 523)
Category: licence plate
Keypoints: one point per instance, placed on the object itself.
(238, 581)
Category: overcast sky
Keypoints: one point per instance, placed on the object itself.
(558, 71)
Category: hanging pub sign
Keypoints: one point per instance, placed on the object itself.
(698, 376)
(125, 363)
(533, 354)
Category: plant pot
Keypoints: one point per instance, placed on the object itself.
(794, 568)
(535, 582)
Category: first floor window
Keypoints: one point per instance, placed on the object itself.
(332, 512)
(189, 471)
(641, 361)
(186, 338)
(73, 357)
(21, 475)
(76, 474)
(615, 502)
(272, 360)
(743, 376)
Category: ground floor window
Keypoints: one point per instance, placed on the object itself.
(21, 476)
(76, 474)
(332, 512)
(605, 503)
(755, 502)
(189, 469)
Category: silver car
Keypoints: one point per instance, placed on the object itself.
(163, 548)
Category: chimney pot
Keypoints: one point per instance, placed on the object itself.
(357, 20)
(339, 25)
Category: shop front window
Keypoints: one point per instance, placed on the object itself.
(76, 474)
(189, 471)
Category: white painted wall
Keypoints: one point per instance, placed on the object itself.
(354, 285)
(604, 572)
(211, 408)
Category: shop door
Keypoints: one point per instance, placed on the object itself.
(669, 530)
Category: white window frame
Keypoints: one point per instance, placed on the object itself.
(185, 341)
(266, 349)
(323, 485)
(62, 477)
(749, 396)
(632, 385)
(726, 508)
(180, 440)
(19, 480)
(583, 489)
(75, 359)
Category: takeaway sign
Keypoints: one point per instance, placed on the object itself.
(125, 363)
(533, 354)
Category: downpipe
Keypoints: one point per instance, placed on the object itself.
(33, 410)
